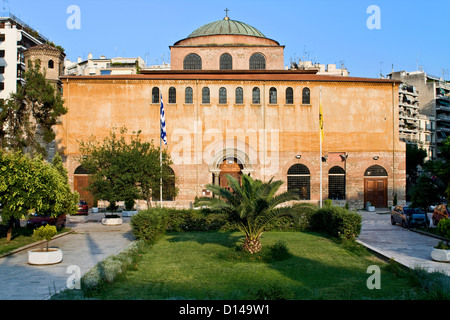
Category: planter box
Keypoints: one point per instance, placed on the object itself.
(41, 257)
(112, 221)
(440, 255)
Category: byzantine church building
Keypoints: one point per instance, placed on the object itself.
(232, 108)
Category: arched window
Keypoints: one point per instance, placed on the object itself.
(172, 95)
(257, 62)
(299, 181)
(222, 95)
(336, 183)
(272, 95)
(205, 95)
(256, 97)
(375, 171)
(226, 62)
(289, 96)
(192, 62)
(51, 64)
(239, 99)
(188, 95)
(155, 95)
(306, 96)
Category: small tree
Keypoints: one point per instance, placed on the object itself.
(46, 233)
(122, 170)
(250, 206)
(28, 184)
(425, 193)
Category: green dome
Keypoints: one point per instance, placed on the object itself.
(225, 27)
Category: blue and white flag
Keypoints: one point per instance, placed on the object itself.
(163, 123)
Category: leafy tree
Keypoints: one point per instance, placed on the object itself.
(31, 184)
(250, 206)
(121, 170)
(441, 169)
(27, 118)
(425, 193)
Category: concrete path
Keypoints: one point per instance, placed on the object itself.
(90, 243)
(407, 247)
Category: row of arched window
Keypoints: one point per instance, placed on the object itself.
(299, 180)
(194, 62)
(238, 96)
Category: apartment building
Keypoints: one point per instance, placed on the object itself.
(424, 109)
(104, 66)
(15, 38)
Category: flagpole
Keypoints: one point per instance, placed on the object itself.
(160, 158)
(320, 137)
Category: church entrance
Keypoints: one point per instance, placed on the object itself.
(229, 166)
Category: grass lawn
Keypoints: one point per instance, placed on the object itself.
(207, 265)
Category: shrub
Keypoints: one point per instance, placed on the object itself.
(46, 233)
(270, 292)
(337, 222)
(109, 269)
(443, 229)
(149, 225)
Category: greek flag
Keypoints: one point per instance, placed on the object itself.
(163, 123)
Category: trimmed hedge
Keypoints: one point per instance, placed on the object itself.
(337, 222)
(151, 224)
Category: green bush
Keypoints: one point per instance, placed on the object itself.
(337, 222)
(149, 225)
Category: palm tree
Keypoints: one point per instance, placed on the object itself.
(250, 206)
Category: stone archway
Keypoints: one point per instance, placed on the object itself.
(231, 161)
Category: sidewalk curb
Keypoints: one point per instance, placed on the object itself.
(34, 244)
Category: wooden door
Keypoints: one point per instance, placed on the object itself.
(375, 191)
(229, 168)
(80, 184)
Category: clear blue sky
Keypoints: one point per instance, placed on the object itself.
(327, 31)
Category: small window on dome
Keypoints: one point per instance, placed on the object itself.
(257, 62)
(192, 62)
(226, 62)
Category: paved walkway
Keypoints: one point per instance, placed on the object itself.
(407, 247)
(90, 243)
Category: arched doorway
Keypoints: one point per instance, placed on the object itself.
(232, 167)
(81, 183)
(375, 186)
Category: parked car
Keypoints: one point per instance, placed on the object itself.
(439, 213)
(38, 220)
(82, 207)
(409, 217)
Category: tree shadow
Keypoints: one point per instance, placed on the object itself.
(224, 239)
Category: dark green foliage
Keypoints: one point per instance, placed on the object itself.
(270, 292)
(28, 117)
(125, 168)
(150, 225)
(337, 222)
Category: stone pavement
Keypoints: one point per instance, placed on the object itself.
(407, 247)
(90, 243)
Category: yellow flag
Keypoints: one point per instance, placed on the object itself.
(321, 122)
